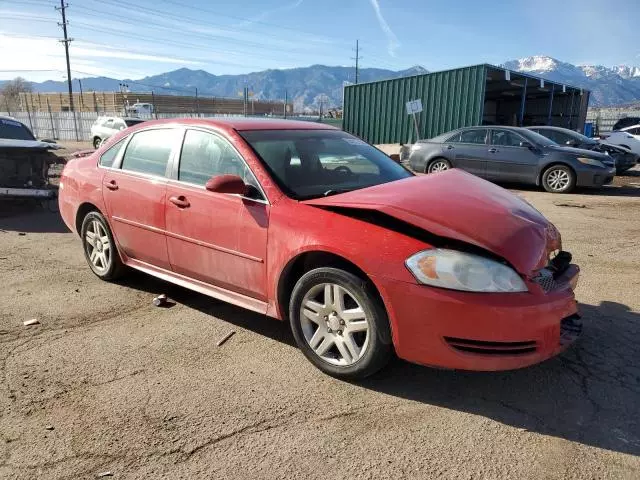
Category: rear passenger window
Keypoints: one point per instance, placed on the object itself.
(473, 136)
(205, 155)
(149, 151)
(108, 157)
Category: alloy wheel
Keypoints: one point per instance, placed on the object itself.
(334, 324)
(438, 166)
(558, 180)
(98, 246)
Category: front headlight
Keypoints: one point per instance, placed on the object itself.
(415, 146)
(463, 271)
(591, 161)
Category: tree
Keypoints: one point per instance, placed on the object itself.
(10, 93)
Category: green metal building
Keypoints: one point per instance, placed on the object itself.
(481, 94)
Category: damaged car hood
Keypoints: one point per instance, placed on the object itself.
(16, 143)
(457, 205)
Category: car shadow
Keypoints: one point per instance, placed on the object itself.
(589, 394)
(30, 217)
(240, 317)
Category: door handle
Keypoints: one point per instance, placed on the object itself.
(493, 150)
(449, 147)
(111, 185)
(180, 202)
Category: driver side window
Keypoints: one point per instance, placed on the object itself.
(205, 155)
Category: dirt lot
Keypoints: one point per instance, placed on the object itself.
(109, 383)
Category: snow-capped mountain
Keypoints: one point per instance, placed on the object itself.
(608, 85)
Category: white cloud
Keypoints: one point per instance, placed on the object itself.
(394, 43)
(44, 59)
(266, 14)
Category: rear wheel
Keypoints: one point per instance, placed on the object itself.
(99, 247)
(559, 179)
(339, 323)
(438, 165)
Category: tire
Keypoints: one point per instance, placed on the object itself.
(352, 337)
(559, 179)
(96, 142)
(108, 266)
(438, 165)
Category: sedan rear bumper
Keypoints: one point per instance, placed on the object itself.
(479, 331)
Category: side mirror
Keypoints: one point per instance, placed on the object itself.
(226, 184)
(526, 145)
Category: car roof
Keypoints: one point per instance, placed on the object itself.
(243, 123)
(6, 117)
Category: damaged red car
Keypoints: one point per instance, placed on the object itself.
(310, 225)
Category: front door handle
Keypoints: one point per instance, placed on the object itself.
(180, 202)
(111, 185)
(449, 147)
(493, 150)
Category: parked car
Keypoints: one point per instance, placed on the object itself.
(513, 154)
(626, 122)
(628, 137)
(623, 157)
(24, 161)
(105, 127)
(308, 224)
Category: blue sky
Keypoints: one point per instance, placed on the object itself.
(132, 39)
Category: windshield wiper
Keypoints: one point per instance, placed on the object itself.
(330, 192)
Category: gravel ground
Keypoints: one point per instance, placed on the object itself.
(109, 383)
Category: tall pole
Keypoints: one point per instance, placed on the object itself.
(357, 59)
(286, 94)
(197, 103)
(66, 42)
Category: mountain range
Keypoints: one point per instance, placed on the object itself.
(308, 86)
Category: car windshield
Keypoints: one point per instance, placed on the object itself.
(536, 138)
(131, 122)
(15, 130)
(314, 163)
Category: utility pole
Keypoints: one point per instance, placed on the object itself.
(63, 6)
(357, 58)
(286, 94)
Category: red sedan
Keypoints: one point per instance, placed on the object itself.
(310, 225)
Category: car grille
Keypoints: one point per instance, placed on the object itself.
(545, 279)
(491, 348)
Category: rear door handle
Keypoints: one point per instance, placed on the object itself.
(111, 185)
(180, 202)
(493, 150)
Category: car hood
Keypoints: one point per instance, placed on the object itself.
(35, 144)
(457, 205)
(577, 152)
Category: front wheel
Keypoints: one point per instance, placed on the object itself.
(339, 323)
(559, 179)
(438, 165)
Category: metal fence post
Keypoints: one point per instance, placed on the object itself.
(29, 115)
(53, 130)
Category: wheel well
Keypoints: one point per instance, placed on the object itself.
(547, 167)
(308, 261)
(83, 209)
